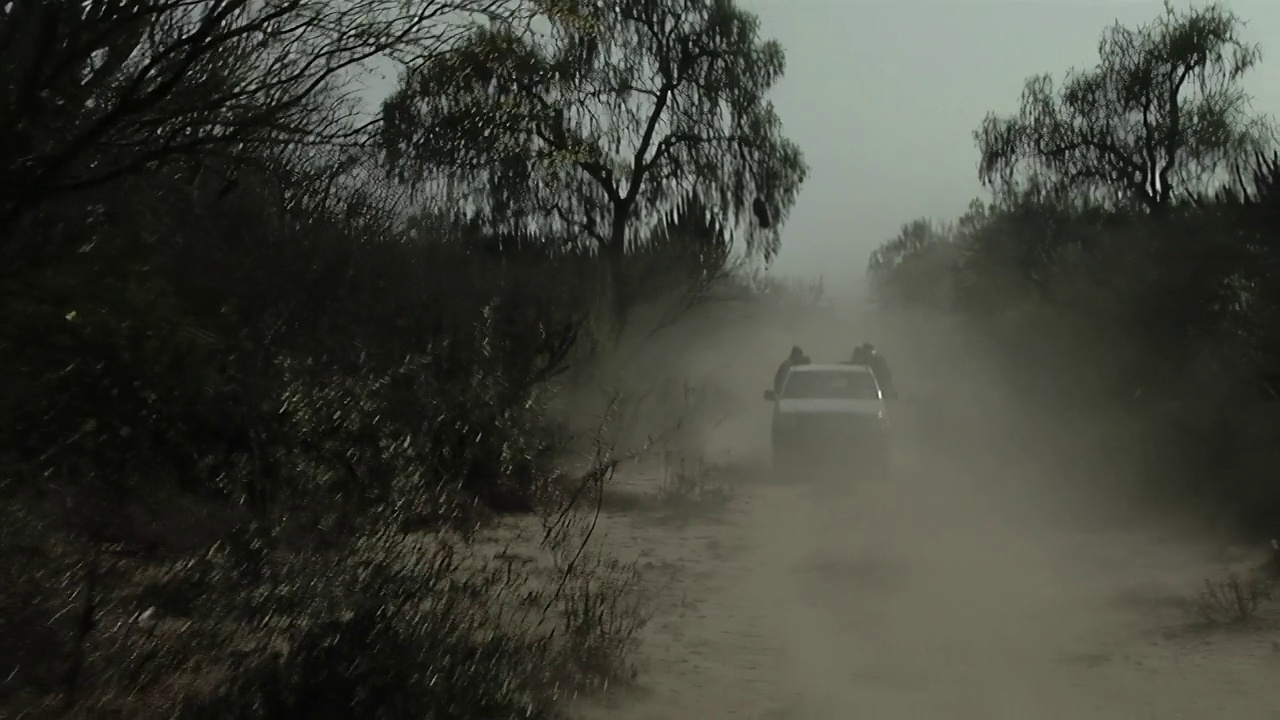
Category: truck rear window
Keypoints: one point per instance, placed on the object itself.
(833, 385)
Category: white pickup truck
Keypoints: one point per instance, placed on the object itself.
(829, 413)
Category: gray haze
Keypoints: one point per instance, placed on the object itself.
(883, 97)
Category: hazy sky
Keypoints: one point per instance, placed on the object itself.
(883, 97)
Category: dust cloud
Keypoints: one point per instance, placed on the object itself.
(1007, 569)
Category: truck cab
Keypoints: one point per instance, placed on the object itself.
(830, 418)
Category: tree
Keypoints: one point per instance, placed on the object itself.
(913, 268)
(101, 90)
(912, 239)
(682, 259)
(615, 115)
(1159, 117)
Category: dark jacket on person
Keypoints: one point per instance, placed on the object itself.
(879, 367)
(781, 376)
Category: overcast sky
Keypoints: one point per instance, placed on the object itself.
(883, 97)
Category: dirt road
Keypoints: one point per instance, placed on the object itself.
(937, 594)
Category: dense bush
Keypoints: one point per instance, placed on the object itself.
(1110, 277)
(261, 396)
(352, 381)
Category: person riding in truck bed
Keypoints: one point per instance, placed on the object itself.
(797, 357)
(866, 354)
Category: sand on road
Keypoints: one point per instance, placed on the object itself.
(933, 595)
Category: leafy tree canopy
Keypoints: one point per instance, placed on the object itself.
(1161, 117)
(603, 115)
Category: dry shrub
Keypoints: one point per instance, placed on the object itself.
(601, 610)
(599, 601)
(688, 487)
(399, 394)
(392, 625)
(1235, 599)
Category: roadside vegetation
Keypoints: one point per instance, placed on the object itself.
(277, 362)
(1125, 259)
(1124, 268)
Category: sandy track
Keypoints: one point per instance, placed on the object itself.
(931, 596)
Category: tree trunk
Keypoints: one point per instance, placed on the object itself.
(616, 294)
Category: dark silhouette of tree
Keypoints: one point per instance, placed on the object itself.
(601, 124)
(101, 90)
(1160, 117)
(688, 252)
